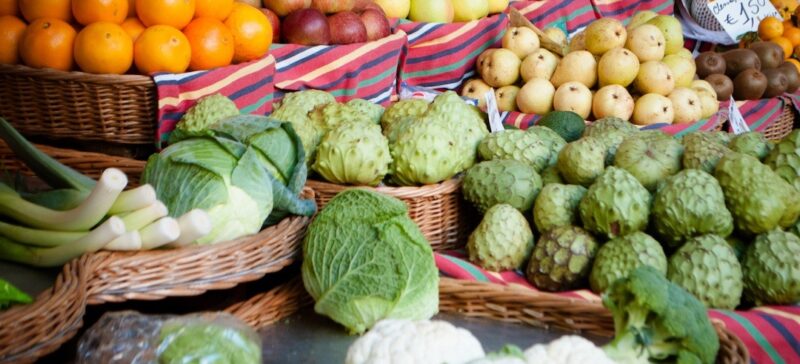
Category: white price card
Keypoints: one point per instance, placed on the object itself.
(495, 121)
(741, 16)
(736, 119)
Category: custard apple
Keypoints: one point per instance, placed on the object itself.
(401, 110)
(611, 131)
(372, 110)
(561, 259)
(398, 127)
(738, 245)
(649, 157)
(556, 141)
(307, 100)
(465, 121)
(615, 205)
(620, 256)
(518, 145)
(310, 134)
(354, 153)
(206, 112)
(690, 203)
(557, 205)
(582, 161)
(707, 267)
(784, 159)
(551, 175)
(702, 151)
(757, 197)
(501, 181)
(751, 143)
(332, 115)
(502, 241)
(425, 153)
(771, 269)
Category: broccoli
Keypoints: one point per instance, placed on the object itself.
(656, 320)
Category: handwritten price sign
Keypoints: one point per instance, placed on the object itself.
(741, 16)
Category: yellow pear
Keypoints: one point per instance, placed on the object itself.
(468, 10)
(497, 6)
(431, 11)
(578, 66)
(395, 8)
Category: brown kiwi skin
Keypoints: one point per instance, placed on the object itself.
(709, 63)
(750, 84)
(777, 82)
(722, 85)
(738, 60)
(792, 76)
(770, 54)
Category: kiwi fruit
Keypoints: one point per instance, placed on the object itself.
(738, 60)
(792, 76)
(777, 83)
(709, 63)
(749, 84)
(770, 54)
(722, 85)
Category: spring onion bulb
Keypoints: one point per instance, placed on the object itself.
(56, 256)
(134, 199)
(160, 233)
(129, 241)
(81, 218)
(194, 225)
(37, 237)
(145, 216)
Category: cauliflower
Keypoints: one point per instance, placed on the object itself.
(568, 349)
(394, 341)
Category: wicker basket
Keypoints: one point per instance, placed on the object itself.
(485, 300)
(28, 332)
(785, 124)
(76, 105)
(438, 209)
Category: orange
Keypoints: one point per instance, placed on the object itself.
(175, 13)
(35, 9)
(131, 8)
(793, 35)
(133, 27)
(47, 42)
(795, 62)
(161, 48)
(104, 47)
(11, 30)
(217, 9)
(252, 32)
(787, 24)
(786, 44)
(770, 27)
(9, 7)
(90, 11)
(211, 42)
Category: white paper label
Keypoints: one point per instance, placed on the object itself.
(741, 16)
(738, 125)
(495, 122)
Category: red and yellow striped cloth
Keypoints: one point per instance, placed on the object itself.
(769, 332)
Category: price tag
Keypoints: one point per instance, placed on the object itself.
(495, 122)
(741, 16)
(736, 119)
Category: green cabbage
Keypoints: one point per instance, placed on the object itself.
(207, 343)
(246, 171)
(365, 260)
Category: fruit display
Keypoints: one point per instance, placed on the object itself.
(322, 22)
(640, 73)
(438, 11)
(669, 203)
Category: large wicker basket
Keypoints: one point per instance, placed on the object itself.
(81, 106)
(438, 209)
(485, 300)
(785, 124)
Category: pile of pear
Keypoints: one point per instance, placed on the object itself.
(640, 73)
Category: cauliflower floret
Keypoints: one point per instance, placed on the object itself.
(415, 342)
(569, 349)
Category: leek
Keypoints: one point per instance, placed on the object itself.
(194, 225)
(159, 233)
(131, 240)
(133, 199)
(37, 237)
(145, 216)
(81, 218)
(53, 257)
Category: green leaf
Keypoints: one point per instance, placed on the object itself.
(10, 295)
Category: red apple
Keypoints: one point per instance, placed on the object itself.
(361, 5)
(376, 23)
(275, 22)
(306, 27)
(347, 27)
(333, 6)
(284, 7)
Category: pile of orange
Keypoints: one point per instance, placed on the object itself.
(783, 33)
(113, 36)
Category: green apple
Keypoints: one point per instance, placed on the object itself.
(647, 43)
(578, 66)
(640, 18)
(521, 40)
(605, 34)
(476, 89)
(672, 30)
(612, 100)
(395, 8)
(653, 109)
(573, 96)
(468, 10)
(618, 66)
(536, 97)
(506, 97)
(683, 70)
(431, 11)
(655, 77)
(497, 6)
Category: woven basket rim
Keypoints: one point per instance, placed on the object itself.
(78, 76)
(448, 186)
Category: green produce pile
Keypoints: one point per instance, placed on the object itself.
(714, 213)
(359, 143)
